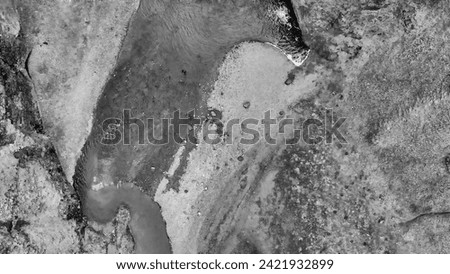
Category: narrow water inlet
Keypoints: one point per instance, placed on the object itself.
(147, 225)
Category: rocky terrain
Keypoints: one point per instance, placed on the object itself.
(39, 209)
(383, 65)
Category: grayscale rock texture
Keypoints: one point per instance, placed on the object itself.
(384, 65)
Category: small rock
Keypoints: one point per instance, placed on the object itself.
(246, 104)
